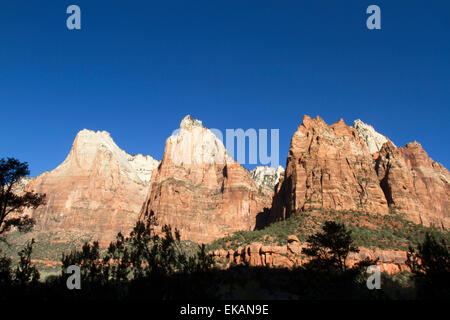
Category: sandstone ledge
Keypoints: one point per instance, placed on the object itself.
(289, 255)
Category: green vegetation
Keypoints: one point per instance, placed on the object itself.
(391, 231)
(148, 266)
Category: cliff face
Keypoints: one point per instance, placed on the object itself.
(337, 167)
(329, 167)
(98, 189)
(414, 184)
(200, 190)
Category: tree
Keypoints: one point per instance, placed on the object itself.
(430, 265)
(25, 272)
(332, 246)
(11, 203)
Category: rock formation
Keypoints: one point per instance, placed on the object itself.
(98, 189)
(373, 139)
(414, 184)
(289, 255)
(267, 177)
(329, 167)
(200, 190)
(336, 167)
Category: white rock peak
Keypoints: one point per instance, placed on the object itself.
(267, 177)
(89, 145)
(373, 139)
(194, 144)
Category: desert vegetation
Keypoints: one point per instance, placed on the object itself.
(391, 231)
(145, 265)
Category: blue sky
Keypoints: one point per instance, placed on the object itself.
(136, 68)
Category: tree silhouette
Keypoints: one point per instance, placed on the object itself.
(332, 246)
(25, 272)
(430, 264)
(11, 173)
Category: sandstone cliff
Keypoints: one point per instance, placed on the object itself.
(337, 167)
(329, 167)
(200, 190)
(98, 189)
(414, 184)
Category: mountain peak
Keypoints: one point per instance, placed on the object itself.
(189, 122)
(195, 144)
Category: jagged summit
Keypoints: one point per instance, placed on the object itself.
(195, 144)
(189, 122)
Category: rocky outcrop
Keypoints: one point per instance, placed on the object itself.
(200, 190)
(373, 139)
(267, 177)
(290, 255)
(329, 167)
(414, 184)
(98, 189)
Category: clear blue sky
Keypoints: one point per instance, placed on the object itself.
(136, 68)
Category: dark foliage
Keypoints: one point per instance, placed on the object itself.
(146, 265)
(430, 265)
(332, 246)
(11, 172)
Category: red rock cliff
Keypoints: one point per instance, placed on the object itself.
(328, 167)
(414, 184)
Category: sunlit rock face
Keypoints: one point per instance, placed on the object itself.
(414, 184)
(342, 168)
(200, 189)
(329, 167)
(267, 177)
(98, 189)
(373, 139)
